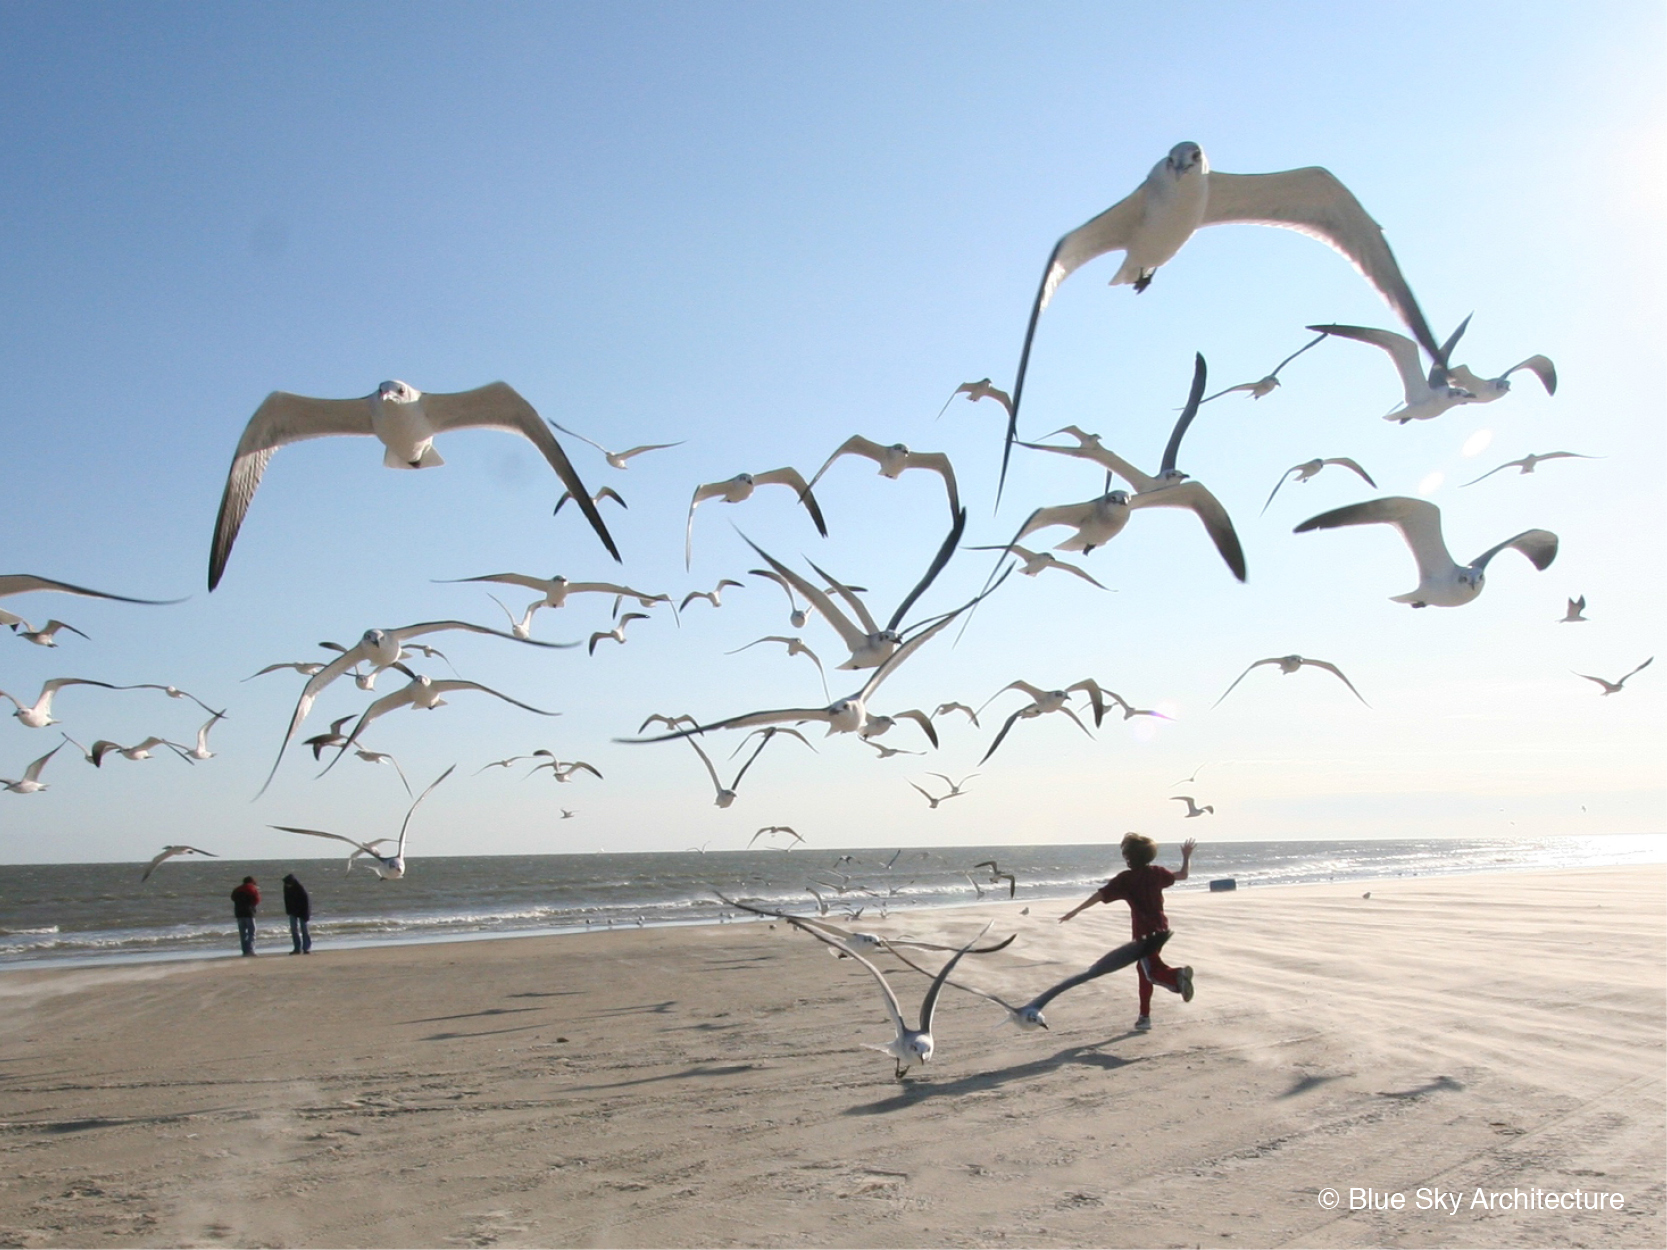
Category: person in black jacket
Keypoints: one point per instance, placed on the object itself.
(244, 901)
(299, 909)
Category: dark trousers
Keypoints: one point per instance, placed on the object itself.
(246, 933)
(299, 935)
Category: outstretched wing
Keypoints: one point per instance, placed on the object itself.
(23, 583)
(1113, 961)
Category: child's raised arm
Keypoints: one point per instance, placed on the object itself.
(1187, 848)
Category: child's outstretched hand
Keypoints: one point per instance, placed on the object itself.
(1188, 847)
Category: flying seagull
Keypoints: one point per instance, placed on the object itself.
(1309, 468)
(1037, 561)
(556, 589)
(975, 391)
(46, 635)
(616, 459)
(405, 421)
(1528, 463)
(168, 852)
(1426, 396)
(739, 489)
(1264, 386)
(1289, 664)
(894, 460)
(30, 782)
(27, 583)
(1614, 687)
(1193, 809)
(1574, 614)
(607, 492)
(1442, 582)
(423, 693)
(727, 794)
(955, 790)
(1180, 195)
(39, 714)
(387, 867)
(997, 876)
(1486, 390)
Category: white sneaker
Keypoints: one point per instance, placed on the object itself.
(1186, 984)
(1143, 1023)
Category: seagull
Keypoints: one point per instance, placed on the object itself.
(1573, 615)
(424, 693)
(796, 615)
(875, 725)
(1266, 385)
(739, 489)
(380, 649)
(894, 461)
(556, 589)
(945, 708)
(886, 752)
(670, 722)
(31, 781)
(975, 391)
(139, 751)
(1042, 703)
(1181, 194)
(387, 867)
(794, 647)
(1309, 468)
(955, 790)
(563, 770)
(567, 814)
(1441, 581)
(1427, 396)
(334, 738)
(1029, 1015)
(607, 492)
(715, 596)
(406, 422)
(1130, 711)
(46, 635)
(1486, 390)
(726, 794)
(1289, 664)
(617, 633)
(1192, 808)
(514, 759)
(1528, 463)
(845, 715)
(306, 668)
(772, 830)
(523, 628)
(1189, 780)
(27, 583)
(173, 692)
(382, 757)
(1100, 520)
(1036, 561)
(39, 715)
(1614, 687)
(616, 459)
(168, 852)
(996, 875)
(869, 644)
(201, 751)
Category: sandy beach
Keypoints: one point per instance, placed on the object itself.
(1439, 1040)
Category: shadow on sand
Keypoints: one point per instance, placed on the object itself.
(912, 1093)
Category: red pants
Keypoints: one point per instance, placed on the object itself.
(1152, 970)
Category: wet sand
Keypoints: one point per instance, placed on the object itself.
(709, 1086)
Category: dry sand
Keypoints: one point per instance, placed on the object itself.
(709, 1087)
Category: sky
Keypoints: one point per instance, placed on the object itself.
(761, 229)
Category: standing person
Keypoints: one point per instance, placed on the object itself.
(244, 901)
(299, 910)
(1141, 886)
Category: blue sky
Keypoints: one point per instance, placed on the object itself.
(763, 228)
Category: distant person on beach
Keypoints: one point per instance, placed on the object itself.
(244, 901)
(1141, 886)
(299, 910)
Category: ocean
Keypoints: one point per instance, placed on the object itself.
(60, 914)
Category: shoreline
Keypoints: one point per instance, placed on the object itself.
(277, 928)
(710, 1085)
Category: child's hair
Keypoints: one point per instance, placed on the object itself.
(1138, 850)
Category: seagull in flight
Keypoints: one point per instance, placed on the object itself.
(1181, 194)
(1529, 462)
(1426, 396)
(885, 752)
(869, 644)
(405, 421)
(46, 635)
(796, 615)
(39, 714)
(1573, 615)
(617, 633)
(1309, 468)
(382, 757)
(139, 751)
(1037, 561)
(617, 459)
(772, 830)
(563, 770)
(1442, 582)
(335, 737)
(424, 693)
(894, 460)
(955, 790)
(975, 391)
(201, 751)
(1189, 780)
(1098, 521)
(1289, 664)
(168, 852)
(997, 876)
(556, 589)
(739, 489)
(607, 492)
(28, 583)
(1266, 385)
(1614, 687)
(387, 867)
(30, 782)
(306, 668)
(1193, 809)
(944, 709)
(715, 596)
(1042, 703)
(795, 646)
(1486, 390)
(727, 794)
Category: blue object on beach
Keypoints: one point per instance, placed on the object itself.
(1222, 884)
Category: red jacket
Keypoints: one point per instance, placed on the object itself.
(245, 899)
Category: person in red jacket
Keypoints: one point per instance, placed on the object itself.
(1141, 886)
(244, 901)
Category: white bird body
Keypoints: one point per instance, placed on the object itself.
(1442, 582)
(30, 782)
(46, 635)
(1426, 396)
(1486, 390)
(715, 596)
(201, 751)
(404, 420)
(1193, 810)
(617, 633)
(387, 867)
(39, 714)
